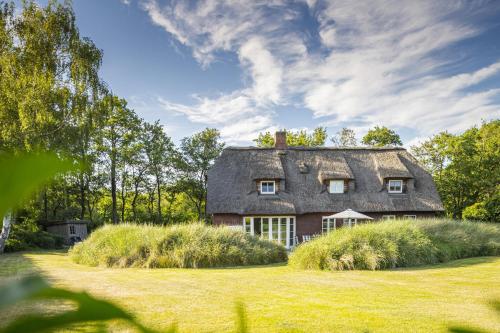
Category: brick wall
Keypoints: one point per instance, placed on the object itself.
(310, 224)
(227, 219)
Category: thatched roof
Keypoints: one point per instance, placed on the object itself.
(303, 171)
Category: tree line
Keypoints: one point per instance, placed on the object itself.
(53, 99)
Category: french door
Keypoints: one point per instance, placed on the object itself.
(280, 229)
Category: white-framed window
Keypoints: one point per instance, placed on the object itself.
(328, 224)
(411, 217)
(267, 187)
(395, 186)
(280, 229)
(389, 217)
(72, 230)
(336, 186)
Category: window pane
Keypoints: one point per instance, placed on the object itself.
(283, 230)
(267, 187)
(336, 186)
(265, 228)
(395, 185)
(248, 225)
(274, 228)
(256, 226)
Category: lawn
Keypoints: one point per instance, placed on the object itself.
(279, 299)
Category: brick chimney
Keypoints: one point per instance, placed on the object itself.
(280, 140)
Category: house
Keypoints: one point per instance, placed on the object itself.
(71, 230)
(285, 193)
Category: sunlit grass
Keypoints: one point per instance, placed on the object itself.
(401, 243)
(280, 299)
(184, 246)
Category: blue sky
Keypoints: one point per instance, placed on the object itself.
(419, 67)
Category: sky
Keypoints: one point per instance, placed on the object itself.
(244, 67)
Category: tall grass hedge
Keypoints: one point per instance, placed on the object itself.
(183, 246)
(400, 243)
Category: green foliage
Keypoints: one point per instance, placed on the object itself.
(52, 99)
(88, 308)
(49, 75)
(476, 212)
(185, 246)
(21, 175)
(381, 136)
(402, 243)
(466, 169)
(22, 239)
(197, 154)
(299, 138)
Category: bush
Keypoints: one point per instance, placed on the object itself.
(476, 212)
(185, 246)
(401, 243)
(22, 239)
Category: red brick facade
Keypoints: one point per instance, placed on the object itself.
(310, 224)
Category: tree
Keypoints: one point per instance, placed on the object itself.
(197, 154)
(117, 136)
(344, 138)
(381, 136)
(299, 138)
(160, 154)
(48, 78)
(466, 169)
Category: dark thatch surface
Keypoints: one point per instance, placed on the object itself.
(302, 173)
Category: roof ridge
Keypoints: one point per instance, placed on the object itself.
(386, 148)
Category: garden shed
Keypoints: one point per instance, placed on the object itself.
(71, 230)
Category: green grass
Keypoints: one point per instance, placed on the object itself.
(184, 246)
(402, 243)
(278, 298)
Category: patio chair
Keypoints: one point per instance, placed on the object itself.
(306, 238)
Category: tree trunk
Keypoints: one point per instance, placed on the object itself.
(123, 196)
(82, 195)
(7, 224)
(114, 213)
(90, 208)
(158, 189)
(134, 200)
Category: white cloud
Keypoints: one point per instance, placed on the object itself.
(377, 62)
(264, 69)
(237, 115)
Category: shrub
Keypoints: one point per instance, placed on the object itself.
(401, 243)
(25, 239)
(476, 212)
(185, 246)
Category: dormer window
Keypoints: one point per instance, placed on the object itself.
(395, 186)
(336, 186)
(267, 187)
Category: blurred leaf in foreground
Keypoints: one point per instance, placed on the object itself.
(88, 308)
(21, 175)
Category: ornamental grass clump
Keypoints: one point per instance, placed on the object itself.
(182, 246)
(402, 243)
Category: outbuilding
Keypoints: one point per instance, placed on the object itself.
(72, 231)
